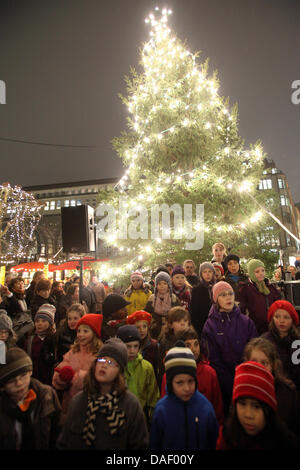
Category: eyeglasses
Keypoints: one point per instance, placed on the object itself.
(227, 294)
(109, 362)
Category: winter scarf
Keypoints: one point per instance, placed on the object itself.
(108, 405)
(162, 304)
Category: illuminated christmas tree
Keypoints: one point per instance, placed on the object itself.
(182, 147)
(20, 214)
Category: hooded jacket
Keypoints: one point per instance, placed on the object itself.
(224, 337)
(138, 298)
(142, 382)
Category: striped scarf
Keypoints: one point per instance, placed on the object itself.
(108, 405)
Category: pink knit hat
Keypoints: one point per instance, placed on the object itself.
(220, 287)
(136, 276)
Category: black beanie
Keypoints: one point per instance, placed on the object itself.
(16, 362)
(229, 258)
(112, 303)
(129, 333)
(180, 360)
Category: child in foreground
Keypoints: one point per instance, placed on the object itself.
(184, 419)
(207, 379)
(105, 415)
(69, 374)
(253, 423)
(29, 410)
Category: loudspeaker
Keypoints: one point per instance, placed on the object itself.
(292, 292)
(78, 232)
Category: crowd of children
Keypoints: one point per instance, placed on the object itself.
(185, 361)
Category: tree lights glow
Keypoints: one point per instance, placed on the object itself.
(182, 146)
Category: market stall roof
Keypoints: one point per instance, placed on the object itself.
(69, 265)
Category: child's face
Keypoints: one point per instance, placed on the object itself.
(106, 370)
(207, 275)
(180, 325)
(120, 314)
(85, 335)
(233, 266)
(178, 280)
(73, 318)
(4, 335)
(44, 293)
(194, 346)
(259, 273)
(259, 356)
(226, 301)
(41, 325)
(162, 287)
(19, 287)
(17, 388)
(142, 326)
(137, 283)
(218, 253)
(133, 348)
(250, 415)
(184, 386)
(218, 273)
(283, 321)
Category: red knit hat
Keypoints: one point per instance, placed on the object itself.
(93, 320)
(284, 305)
(138, 316)
(254, 380)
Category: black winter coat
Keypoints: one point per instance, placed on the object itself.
(200, 306)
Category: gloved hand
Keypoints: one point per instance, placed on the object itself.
(66, 373)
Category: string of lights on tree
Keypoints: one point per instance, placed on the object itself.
(20, 214)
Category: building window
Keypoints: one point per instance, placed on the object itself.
(78, 202)
(265, 184)
(66, 203)
(283, 200)
(43, 249)
(281, 184)
(274, 171)
(73, 203)
(52, 205)
(47, 206)
(58, 204)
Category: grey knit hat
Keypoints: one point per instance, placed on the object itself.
(115, 348)
(128, 333)
(16, 362)
(5, 322)
(162, 276)
(207, 265)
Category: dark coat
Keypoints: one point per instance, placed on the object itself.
(193, 279)
(88, 295)
(288, 406)
(42, 353)
(64, 338)
(285, 351)
(37, 301)
(257, 304)
(150, 352)
(236, 285)
(200, 306)
(224, 337)
(133, 435)
(45, 417)
(13, 306)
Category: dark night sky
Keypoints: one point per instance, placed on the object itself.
(64, 63)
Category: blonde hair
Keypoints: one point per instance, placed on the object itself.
(78, 308)
(93, 346)
(219, 245)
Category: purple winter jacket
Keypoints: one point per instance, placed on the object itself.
(257, 303)
(224, 337)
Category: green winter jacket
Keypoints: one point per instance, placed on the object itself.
(142, 383)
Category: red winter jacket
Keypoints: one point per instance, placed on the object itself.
(208, 385)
